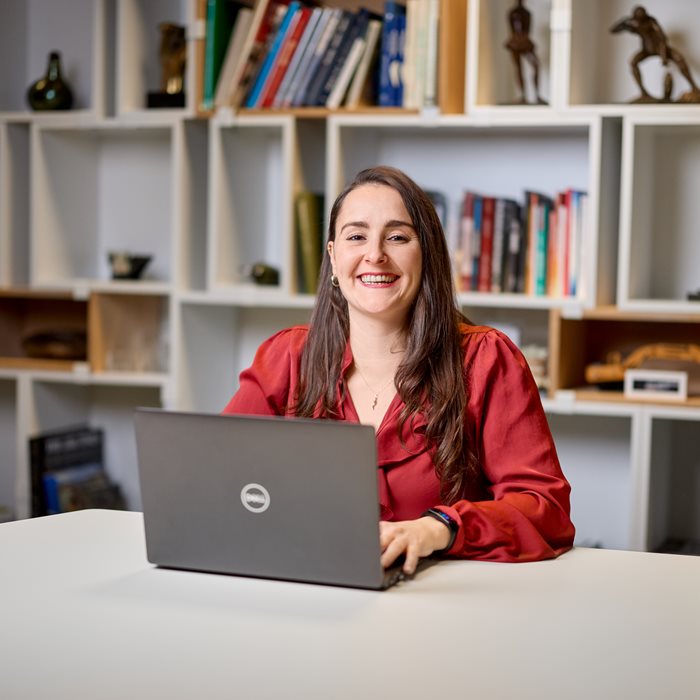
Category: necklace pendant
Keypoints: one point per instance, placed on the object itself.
(374, 403)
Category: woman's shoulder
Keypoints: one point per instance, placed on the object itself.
(488, 342)
(290, 340)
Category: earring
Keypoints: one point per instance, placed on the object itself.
(334, 280)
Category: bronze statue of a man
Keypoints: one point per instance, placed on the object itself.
(522, 48)
(655, 43)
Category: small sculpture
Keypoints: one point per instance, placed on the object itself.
(655, 43)
(522, 48)
(172, 53)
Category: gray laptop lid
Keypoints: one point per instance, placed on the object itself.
(272, 497)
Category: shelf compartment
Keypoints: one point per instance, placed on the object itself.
(674, 479)
(600, 474)
(59, 405)
(30, 29)
(129, 334)
(8, 451)
(250, 200)
(603, 76)
(24, 314)
(137, 53)
(14, 204)
(193, 187)
(99, 190)
(546, 157)
(491, 81)
(215, 343)
(659, 246)
(577, 343)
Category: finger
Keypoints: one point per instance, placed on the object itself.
(387, 533)
(395, 548)
(411, 562)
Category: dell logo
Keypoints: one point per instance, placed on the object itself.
(255, 498)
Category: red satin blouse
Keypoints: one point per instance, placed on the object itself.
(520, 513)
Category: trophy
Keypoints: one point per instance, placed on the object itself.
(173, 54)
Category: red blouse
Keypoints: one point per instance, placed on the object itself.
(522, 511)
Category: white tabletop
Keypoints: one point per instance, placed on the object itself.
(84, 615)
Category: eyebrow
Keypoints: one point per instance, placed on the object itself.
(389, 224)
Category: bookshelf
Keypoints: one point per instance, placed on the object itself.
(208, 196)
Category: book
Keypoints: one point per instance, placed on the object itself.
(304, 59)
(476, 240)
(296, 58)
(465, 264)
(316, 94)
(431, 54)
(55, 451)
(498, 246)
(513, 243)
(253, 98)
(308, 208)
(361, 88)
(234, 51)
(221, 16)
(287, 51)
(410, 91)
(451, 58)
(486, 248)
(324, 39)
(389, 65)
(342, 83)
(356, 31)
(252, 54)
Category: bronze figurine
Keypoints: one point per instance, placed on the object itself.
(173, 52)
(655, 43)
(522, 48)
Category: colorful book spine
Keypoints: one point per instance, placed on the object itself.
(486, 254)
(389, 66)
(268, 63)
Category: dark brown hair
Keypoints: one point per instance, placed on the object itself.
(430, 379)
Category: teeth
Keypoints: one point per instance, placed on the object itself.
(377, 279)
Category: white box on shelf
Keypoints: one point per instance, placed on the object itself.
(656, 385)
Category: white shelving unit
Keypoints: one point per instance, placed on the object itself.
(207, 197)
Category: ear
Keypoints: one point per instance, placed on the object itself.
(331, 254)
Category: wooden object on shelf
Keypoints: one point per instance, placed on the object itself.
(28, 315)
(126, 333)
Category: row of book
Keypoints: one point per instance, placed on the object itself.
(532, 247)
(280, 54)
(67, 472)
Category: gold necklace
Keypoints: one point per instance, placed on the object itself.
(376, 393)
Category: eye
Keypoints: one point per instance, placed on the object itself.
(399, 237)
(355, 237)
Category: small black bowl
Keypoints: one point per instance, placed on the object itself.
(127, 266)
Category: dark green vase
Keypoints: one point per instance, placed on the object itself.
(51, 91)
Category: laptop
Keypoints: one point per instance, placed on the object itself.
(293, 499)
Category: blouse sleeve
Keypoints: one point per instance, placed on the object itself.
(265, 387)
(528, 518)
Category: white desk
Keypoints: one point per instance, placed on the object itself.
(83, 615)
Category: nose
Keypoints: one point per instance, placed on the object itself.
(375, 251)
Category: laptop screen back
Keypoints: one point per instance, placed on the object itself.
(258, 496)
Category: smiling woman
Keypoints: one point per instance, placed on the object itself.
(466, 463)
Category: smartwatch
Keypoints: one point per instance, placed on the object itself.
(447, 521)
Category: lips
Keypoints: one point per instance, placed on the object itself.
(378, 279)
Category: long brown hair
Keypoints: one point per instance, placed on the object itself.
(430, 379)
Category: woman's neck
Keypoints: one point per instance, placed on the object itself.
(376, 343)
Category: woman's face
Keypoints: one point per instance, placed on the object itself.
(376, 254)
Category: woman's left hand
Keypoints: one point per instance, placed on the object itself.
(414, 538)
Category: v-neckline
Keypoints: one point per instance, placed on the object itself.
(350, 403)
